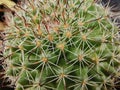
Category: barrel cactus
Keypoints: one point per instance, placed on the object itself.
(62, 45)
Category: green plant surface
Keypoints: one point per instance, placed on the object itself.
(63, 45)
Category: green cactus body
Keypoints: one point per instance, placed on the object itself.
(63, 45)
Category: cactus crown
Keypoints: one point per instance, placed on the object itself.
(62, 45)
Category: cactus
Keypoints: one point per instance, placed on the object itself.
(63, 45)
